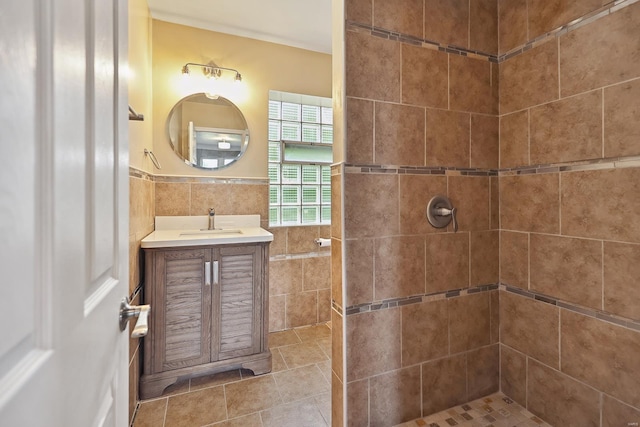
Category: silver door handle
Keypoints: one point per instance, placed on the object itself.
(128, 311)
(207, 273)
(216, 272)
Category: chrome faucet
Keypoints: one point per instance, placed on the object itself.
(212, 214)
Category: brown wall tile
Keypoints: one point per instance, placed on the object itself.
(514, 139)
(598, 204)
(372, 67)
(399, 267)
(547, 15)
(324, 305)
(277, 311)
(447, 138)
(279, 244)
(425, 74)
(402, 16)
(141, 205)
(399, 135)
(530, 327)
(230, 199)
(316, 273)
(529, 79)
(470, 195)
(285, 276)
(395, 397)
(621, 272)
(359, 131)
(359, 11)
(514, 259)
(337, 399)
(590, 57)
(528, 203)
(415, 193)
(485, 142)
(469, 322)
(566, 130)
(337, 349)
(300, 240)
(568, 269)
(447, 261)
(512, 17)
(425, 332)
(483, 26)
(622, 120)
(444, 383)
(172, 198)
(373, 343)
(494, 299)
(513, 374)
(302, 309)
(483, 371)
(559, 399)
(371, 205)
(336, 206)
(495, 202)
(611, 363)
(485, 259)
(615, 413)
(359, 271)
(472, 85)
(357, 403)
(336, 271)
(447, 21)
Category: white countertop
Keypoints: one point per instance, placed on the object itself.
(192, 231)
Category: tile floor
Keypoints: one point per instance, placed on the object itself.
(296, 393)
(495, 410)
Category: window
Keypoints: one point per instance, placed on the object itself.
(300, 157)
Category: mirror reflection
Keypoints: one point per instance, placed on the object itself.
(207, 132)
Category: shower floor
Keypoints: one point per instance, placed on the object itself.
(495, 410)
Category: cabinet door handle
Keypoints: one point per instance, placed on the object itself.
(207, 273)
(215, 272)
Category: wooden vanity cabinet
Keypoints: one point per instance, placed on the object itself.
(209, 312)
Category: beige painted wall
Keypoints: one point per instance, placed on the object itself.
(264, 66)
(140, 133)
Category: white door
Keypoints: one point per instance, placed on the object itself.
(63, 213)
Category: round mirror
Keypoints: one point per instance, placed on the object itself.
(208, 133)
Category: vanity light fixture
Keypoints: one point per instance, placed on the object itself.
(224, 145)
(211, 70)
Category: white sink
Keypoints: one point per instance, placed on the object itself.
(189, 231)
(211, 232)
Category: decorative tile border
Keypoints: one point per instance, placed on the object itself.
(414, 299)
(419, 170)
(589, 18)
(137, 173)
(300, 256)
(581, 165)
(596, 314)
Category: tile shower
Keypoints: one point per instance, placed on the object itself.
(532, 130)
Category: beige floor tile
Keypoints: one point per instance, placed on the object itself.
(313, 333)
(251, 420)
(196, 408)
(325, 368)
(151, 413)
(251, 395)
(324, 404)
(277, 362)
(296, 414)
(220, 378)
(302, 354)
(279, 339)
(177, 388)
(325, 345)
(300, 383)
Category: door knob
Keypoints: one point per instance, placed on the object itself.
(128, 311)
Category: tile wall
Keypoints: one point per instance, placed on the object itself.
(427, 101)
(422, 120)
(569, 211)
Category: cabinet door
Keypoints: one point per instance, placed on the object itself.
(237, 307)
(183, 309)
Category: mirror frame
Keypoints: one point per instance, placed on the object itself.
(173, 143)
